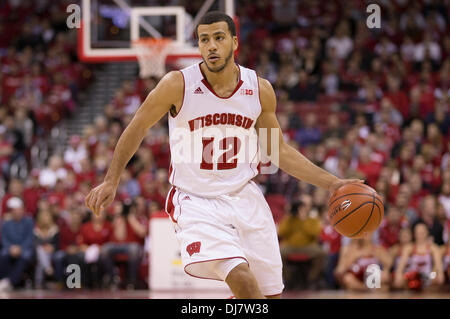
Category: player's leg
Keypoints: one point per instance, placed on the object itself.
(210, 246)
(243, 283)
(259, 239)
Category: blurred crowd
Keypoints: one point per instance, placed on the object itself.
(359, 102)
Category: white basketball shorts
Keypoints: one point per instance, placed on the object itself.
(237, 226)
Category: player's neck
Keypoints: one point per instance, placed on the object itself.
(228, 77)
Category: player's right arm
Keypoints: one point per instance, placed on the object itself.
(289, 159)
(168, 92)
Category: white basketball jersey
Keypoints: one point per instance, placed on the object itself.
(213, 142)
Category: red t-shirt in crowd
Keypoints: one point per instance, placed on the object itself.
(371, 171)
(400, 101)
(388, 233)
(131, 236)
(331, 238)
(31, 196)
(417, 197)
(89, 236)
(67, 236)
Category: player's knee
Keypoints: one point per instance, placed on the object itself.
(242, 283)
(240, 273)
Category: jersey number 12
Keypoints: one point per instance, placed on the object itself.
(224, 144)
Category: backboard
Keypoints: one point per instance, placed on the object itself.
(109, 27)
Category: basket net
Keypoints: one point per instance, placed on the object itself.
(152, 54)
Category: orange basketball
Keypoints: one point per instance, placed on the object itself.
(355, 210)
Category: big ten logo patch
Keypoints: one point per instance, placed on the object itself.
(246, 92)
(193, 248)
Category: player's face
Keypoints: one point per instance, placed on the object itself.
(216, 45)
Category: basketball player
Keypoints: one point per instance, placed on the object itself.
(221, 219)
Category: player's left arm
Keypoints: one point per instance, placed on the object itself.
(289, 159)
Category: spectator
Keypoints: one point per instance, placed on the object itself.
(93, 235)
(405, 238)
(15, 137)
(392, 224)
(15, 189)
(444, 198)
(330, 79)
(75, 153)
(310, 133)
(299, 233)
(46, 240)
(304, 89)
(445, 252)
(331, 244)
(33, 192)
(428, 217)
(17, 245)
(6, 151)
(129, 186)
(55, 170)
(385, 48)
(355, 258)
(285, 14)
(25, 126)
(370, 168)
(341, 41)
(407, 49)
(69, 251)
(424, 258)
(427, 49)
(398, 97)
(418, 191)
(126, 240)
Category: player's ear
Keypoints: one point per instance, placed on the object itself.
(235, 43)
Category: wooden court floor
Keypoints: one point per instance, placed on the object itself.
(219, 294)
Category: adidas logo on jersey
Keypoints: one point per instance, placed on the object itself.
(186, 197)
(198, 91)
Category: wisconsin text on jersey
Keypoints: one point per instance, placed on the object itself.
(220, 118)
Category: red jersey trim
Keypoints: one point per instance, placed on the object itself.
(182, 101)
(209, 87)
(170, 207)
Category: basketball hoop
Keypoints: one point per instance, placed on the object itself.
(152, 54)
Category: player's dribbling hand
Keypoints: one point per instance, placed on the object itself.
(340, 182)
(100, 197)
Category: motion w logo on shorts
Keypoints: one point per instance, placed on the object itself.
(193, 248)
